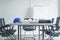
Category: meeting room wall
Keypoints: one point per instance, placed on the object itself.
(9, 9)
(58, 7)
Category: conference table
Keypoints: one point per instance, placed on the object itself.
(33, 24)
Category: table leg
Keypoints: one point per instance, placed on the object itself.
(43, 32)
(39, 32)
(18, 32)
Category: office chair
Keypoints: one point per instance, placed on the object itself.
(40, 27)
(29, 28)
(45, 21)
(52, 21)
(53, 33)
(6, 30)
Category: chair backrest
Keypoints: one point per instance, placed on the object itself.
(2, 22)
(29, 27)
(57, 23)
(52, 20)
(28, 18)
(44, 21)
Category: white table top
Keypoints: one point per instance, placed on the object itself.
(36, 24)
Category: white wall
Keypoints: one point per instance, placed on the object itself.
(9, 9)
(58, 7)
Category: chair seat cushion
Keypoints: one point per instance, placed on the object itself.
(29, 28)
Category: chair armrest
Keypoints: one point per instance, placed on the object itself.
(5, 26)
(52, 25)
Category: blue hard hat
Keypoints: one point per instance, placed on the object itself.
(17, 20)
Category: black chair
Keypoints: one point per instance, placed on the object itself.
(6, 30)
(46, 21)
(30, 28)
(52, 21)
(54, 32)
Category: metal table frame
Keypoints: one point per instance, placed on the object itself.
(34, 24)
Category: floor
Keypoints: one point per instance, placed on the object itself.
(28, 38)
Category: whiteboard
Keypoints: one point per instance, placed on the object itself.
(44, 12)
